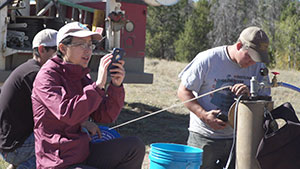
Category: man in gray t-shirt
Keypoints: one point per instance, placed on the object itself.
(232, 65)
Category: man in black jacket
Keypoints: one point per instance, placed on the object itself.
(16, 119)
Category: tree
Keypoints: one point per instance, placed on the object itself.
(164, 24)
(232, 16)
(196, 31)
(287, 37)
(229, 17)
(270, 12)
(194, 38)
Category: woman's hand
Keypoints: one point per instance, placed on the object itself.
(102, 70)
(92, 128)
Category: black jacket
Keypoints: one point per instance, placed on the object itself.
(16, 119)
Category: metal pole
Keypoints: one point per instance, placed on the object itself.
(74, 5)
(113, 37)
(110, 6)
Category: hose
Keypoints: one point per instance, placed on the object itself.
(175, 105)
(288, 86)
(234, 132)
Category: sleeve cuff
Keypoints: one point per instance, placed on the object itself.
(100, 91)
(116, 88)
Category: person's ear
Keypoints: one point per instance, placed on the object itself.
(239, 45)
(62, 48)
(41, 49)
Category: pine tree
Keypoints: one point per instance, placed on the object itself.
(194, 38)
(164, 24)
(287, 37)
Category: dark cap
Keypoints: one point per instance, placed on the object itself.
(257, 42)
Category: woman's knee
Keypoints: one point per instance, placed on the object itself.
(137, 144)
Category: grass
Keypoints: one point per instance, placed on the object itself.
(281, 94)
(171, 125)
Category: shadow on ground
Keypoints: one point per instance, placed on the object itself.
(165, 127)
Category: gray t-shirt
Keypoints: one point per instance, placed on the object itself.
(208, 71)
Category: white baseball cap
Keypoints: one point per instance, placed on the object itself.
(46, 37)
(76, 29)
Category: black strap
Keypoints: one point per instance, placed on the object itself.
(284, 111)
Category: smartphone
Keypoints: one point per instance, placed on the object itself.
(118, 54)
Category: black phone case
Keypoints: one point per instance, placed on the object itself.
(117, 55)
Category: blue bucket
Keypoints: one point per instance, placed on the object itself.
(106, 134)
(174, 156)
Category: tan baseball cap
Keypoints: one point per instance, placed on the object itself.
(76, 29)
(257, 42)
(46, 37)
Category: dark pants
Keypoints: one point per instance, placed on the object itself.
(215, 151)
(121, 153)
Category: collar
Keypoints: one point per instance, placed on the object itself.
(71, 71)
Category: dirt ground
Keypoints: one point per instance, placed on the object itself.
(165, 127)
(171, 126)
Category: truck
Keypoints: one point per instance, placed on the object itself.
(122, 23)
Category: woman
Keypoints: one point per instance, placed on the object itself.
(64, 97)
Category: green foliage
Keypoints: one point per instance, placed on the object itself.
(164, 25)
(181, 31)
(287, 36)
(194, 38)
(289, 10)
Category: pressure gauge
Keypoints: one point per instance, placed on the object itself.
(129, 26)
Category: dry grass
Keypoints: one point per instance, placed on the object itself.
(281, 94)
(168, 126)
(171, 125)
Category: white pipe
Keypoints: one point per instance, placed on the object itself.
(44, 10)
(113, 37)
(110, 6)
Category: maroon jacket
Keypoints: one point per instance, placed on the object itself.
(63, 97)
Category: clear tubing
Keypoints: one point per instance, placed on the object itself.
(289, 86)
